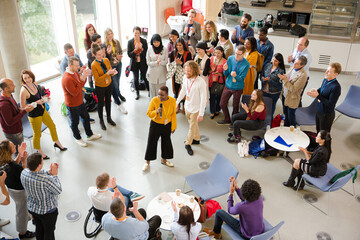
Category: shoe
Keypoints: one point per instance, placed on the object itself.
(222, 122)
(216, 114)
(196, 142)
(189, 150)
(28, 234)
(111, 122)
(122, 109)
(230, 134)
(122, 98)
(234, 139)
(46, 157)
(102, 125)
(212, 116)
(146, 167)
(4, 222)
(136, 197)
(168, 164)
(212, 233)
(81, 143)
(61, 149)
(93, 137)
(92, 120)
(137, 96)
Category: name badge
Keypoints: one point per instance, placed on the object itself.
(187, 98)
(234, 80)
(214, 78)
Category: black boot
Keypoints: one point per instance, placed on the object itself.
(302, 185)
(102, 124)
(291, 181)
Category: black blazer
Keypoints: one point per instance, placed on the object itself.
(131, 54)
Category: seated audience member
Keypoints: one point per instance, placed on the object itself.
(13, 182)
(173, 36)
(4, 197)
(270, 81)
(216, 75)
(210, 36)
(251, 54)
(250, 210)
(314, 164)
(294, 83)
(123, 227)
(225, 43)
(252, 119)
(43, 189)
(235, 70)
(184, 226)
(69, 52)
(327, 95)
(102, 195)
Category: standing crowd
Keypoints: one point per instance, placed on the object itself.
(206, 69)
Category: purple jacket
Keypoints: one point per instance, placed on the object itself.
(10, 116)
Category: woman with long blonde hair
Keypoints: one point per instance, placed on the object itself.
(210, 36)
(252, 119)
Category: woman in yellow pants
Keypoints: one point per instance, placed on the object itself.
(30, 92)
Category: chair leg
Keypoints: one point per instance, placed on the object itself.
(297, 193)
(337, 117)
(183, 189)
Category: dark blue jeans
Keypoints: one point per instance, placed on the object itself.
(290, 118)
(116, 84)
(126, 193)
(73, 114)
(214, 103)
(274, 98)
(222, 216)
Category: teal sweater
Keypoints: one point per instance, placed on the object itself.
(241, 72)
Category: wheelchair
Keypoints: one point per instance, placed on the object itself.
(92, 224)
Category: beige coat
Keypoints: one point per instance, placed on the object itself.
(295, 86)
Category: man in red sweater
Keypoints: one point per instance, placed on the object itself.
(11, 113)
(72, 83)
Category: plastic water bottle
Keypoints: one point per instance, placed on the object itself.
(256, 28)
(282, 123)
(298, 127)
(268, 127)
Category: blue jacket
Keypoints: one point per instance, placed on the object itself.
(241, 72)
(274, 82)
(329, 93)
(266, 49)
(247, 32)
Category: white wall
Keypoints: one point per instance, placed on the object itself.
(2, 69)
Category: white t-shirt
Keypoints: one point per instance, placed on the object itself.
(180, 232)
(2, 197)
(100, 198)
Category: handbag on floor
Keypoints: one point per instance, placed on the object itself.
(203, 213)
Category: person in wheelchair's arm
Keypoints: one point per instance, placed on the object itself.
(102, 195)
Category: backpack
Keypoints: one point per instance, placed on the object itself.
(297, 30)
(231, 8)
(260, 62)
(90, 102)
(255, 147)
(276, 121)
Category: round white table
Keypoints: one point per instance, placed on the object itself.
(165, 211)
(297, 138)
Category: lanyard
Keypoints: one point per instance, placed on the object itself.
(37, 93)
(325, 84)
(12, 100)
(238, 65)
(187, 86)
(102, 61)
(157, 55)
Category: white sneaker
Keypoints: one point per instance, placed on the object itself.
(146, 167)
(4, 222)
(93, 137)
(122, 109)
(81, 143)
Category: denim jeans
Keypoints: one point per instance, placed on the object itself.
(73, 114)
(274, 98)
(222, 216)
(214, 103)
(116, 84)
(126, 193)
(290, 118)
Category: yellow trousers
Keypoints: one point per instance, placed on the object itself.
(193, 133)
(36, 123)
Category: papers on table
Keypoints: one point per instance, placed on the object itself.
(281, 141)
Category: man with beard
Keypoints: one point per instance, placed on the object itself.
(266, 48)
(242, 31)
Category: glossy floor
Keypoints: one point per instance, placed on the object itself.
(121, 153)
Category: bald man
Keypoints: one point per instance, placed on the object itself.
(302, 50)
(11, 113)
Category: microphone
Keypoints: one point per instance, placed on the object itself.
(161, 111)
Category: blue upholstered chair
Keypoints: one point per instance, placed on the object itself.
(350, 106)
(323, 183)
(268, 104)
(269, 231)
(214, 181)
(307, 115)
(27, 129)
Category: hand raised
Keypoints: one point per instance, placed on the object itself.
(225, 67)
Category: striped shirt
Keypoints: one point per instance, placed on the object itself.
(42, 189)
